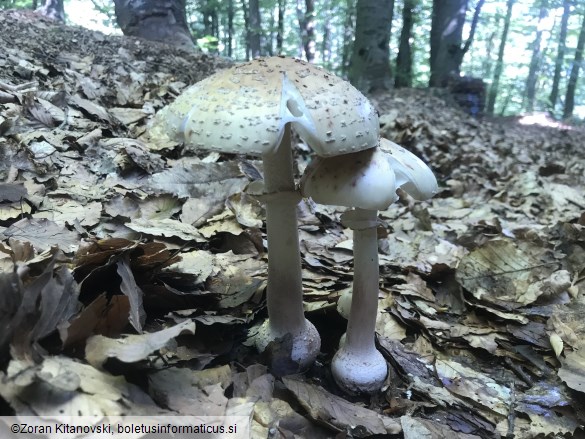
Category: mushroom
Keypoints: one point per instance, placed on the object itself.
(249, 109)
(366, 181)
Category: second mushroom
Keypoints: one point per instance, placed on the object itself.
(250, 109)
(367, 182)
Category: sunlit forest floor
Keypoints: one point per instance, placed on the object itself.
(103, 236)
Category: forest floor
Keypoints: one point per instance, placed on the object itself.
(131, 276)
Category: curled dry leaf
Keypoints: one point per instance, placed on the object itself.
(132, 348)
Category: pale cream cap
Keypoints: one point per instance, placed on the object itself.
(368, 179)
(244, 109)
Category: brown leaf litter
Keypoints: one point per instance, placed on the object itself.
(131, 274)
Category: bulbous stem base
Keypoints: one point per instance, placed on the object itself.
(289, 352)
(359, 372)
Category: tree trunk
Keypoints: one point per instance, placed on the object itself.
(155, 20)
(326, 43)
(554, 94)
(536, 59)
(348, 28)
(246, 14)
(207, 11)
(574, 77)
(472, 30)
(280, 34)
(254, 28)
(268, 37)
(211, 25)
(53, 9)
(230, 31)
(500, 62)
(446, 40)
(307, 27)
(404, 58)
(369, 67)
(486, 65)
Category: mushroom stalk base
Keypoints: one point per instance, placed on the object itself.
(358, 366)
(293, 341)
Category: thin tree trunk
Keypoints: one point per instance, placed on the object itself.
(446, 40)
(404, 58)
(53, 9)
(207, 10)
(155, 20)
(230, 32)
(306, 19)
(280, 34)
(254, 28)
(554, 94)
(246, 14)
(211, 24)
(268, 39)
(574, 76)
(536, 59)
(326, 43)
(369, 67)
(486, 64)
(348, 27)
(493, 92)
(472, 30)
(215, 22)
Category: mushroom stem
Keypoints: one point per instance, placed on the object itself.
(284, 297)
(358, 366)
(361, 325)
(298, 340)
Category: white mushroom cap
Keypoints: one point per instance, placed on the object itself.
(412, 174)
(368, 179)
(244, 109)
(363, 179)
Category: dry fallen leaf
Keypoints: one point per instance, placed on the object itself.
(330, 409)
(132, 348)
(190, 392)
(43, 234)
(573, 370)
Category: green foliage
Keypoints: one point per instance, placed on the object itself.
(106, 8)
(208, 43)
(480, 60)
(17, 4)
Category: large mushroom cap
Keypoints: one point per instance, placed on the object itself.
(412, 174)
(244, 109)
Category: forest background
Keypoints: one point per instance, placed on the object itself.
(529, 53)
